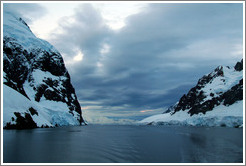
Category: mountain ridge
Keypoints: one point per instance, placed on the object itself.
(222, 88)
(200, 102)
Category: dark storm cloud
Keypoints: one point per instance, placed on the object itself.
(25, 10)
(141, 99)
(156, 58)
(150, 36)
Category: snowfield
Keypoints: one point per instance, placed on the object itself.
(221, 115)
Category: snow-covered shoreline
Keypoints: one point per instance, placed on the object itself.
(221, 116)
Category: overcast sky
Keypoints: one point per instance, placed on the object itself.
(131, 60)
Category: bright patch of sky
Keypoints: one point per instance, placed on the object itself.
(79, 56)
(114, 15)
(94, 114)
(54, 13)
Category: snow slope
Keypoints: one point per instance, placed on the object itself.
(13, 102)
(34, 73)
(48, 114)
(221, 115)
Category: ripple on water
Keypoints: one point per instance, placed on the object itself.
(123, 144)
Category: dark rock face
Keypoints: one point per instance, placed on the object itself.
(239, 66)
(234, 94)
(51, 62)
(204, 107)
(20, 64)
(14, 64)
(195, 100)
(22, 122)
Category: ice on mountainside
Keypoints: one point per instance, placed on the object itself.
(37, 86)
(216, 100)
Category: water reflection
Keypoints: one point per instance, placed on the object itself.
(198, 140)
(213, 145)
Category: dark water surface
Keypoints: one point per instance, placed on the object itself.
(124, 144)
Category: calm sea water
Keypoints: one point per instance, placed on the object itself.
(124, 144)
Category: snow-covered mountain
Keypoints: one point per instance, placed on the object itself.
(37, 90)
(216, 100)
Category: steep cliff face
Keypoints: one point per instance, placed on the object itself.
(216, 100)
(35, 69)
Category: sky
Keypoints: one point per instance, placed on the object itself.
(130, 60)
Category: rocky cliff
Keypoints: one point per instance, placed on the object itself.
(35, 69)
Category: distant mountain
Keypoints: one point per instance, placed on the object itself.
(216, 100)
(37, 90)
